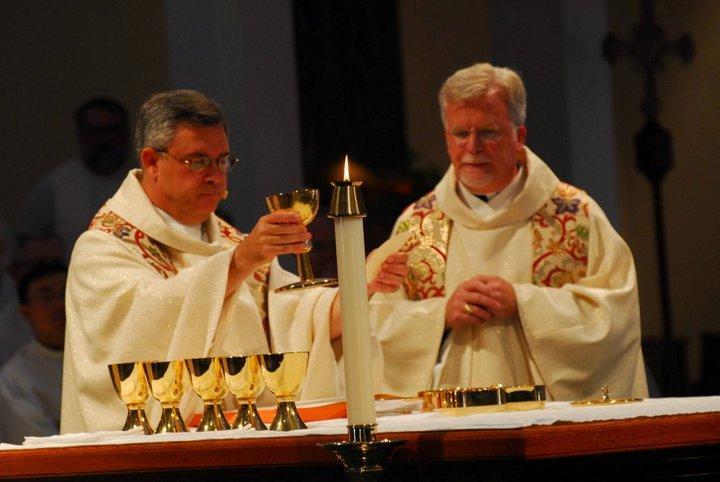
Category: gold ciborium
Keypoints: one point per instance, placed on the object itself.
(305, 202)
(284, 374)
(208, 381)
(131, 386)
(243, 376)
(167, 383)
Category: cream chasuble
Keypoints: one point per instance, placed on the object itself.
(140, 290)
(572, 338)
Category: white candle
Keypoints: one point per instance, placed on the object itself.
(359, 386)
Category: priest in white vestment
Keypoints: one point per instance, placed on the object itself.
(515, 278)
(158, 276)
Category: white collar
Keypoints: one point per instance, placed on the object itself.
(496, 201)
(195, 231)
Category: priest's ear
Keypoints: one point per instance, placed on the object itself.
(149, 158)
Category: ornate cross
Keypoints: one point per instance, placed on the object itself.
(653, 147)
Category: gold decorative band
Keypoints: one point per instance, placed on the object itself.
(495, 398)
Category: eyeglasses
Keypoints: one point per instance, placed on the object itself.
(224, 163)
(461, 136)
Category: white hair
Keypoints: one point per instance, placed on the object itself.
(475, 81)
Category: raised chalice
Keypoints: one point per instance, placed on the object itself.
(243, 376)
(208, 381)
(284, 374)
(305, 202)
(167, 384)
(131, 385)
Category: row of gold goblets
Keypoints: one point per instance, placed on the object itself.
(211, 378)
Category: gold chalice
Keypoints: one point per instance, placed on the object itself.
(284, 374)
(131, 385)
(208, 381)
(167, 383)
(305, 202)
(244, 379)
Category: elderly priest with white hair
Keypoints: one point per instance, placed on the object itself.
(158, 276)
(515, 277)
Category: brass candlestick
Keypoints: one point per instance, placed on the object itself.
(362, 455)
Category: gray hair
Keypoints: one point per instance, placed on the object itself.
(160, 115)
(475, 81)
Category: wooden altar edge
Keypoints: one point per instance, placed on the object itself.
(531, 443)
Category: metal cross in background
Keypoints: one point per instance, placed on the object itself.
(653, 145)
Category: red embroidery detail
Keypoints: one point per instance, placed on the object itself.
(152, 251)
(427, 247)
(560, 238)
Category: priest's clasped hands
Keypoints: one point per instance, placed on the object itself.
(479, 299)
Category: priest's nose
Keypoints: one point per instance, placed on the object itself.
(474, 143)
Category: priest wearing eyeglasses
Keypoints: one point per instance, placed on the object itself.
(158, 276)
(515, 277)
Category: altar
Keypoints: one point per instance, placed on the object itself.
(655, 439)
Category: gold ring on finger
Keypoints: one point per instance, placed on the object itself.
(468, 309)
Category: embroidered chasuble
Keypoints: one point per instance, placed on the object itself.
(141, 290)
(574, 278)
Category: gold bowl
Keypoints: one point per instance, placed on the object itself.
(283, 374)
(243, 375)
(305, 202)
(131, 385)
(168, 381)
(497, 398)
(208, 381)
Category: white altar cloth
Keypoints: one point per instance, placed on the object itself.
(415, 422)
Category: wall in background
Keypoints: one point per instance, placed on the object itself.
(55, 56)
(690, 98)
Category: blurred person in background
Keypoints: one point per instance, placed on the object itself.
(31, 381)
(64, 201)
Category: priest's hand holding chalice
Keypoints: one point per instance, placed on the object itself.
(304, 202)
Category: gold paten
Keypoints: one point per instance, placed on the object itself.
(284, 374)
(605, 399)
(131, 386)
(243, 375)
(168, 380)
(305, 202)
(208, 381)
(497, 398)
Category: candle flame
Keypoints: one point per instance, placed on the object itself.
(346, 171)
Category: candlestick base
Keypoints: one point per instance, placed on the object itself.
(313, 283)
(363, 460)
(363, 456)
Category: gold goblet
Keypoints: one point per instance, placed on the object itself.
(131, 386)
(167, 383)
(208, 381)
(305, 202)
(244, 379)
(284, 374)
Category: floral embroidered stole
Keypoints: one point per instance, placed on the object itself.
(158, 257)
(560, 229)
